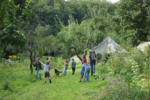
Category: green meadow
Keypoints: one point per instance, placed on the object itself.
(116, 79)
(113, 33)
(16, 83)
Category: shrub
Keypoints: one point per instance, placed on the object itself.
(133, 68)
(57, 63)
(116, 89)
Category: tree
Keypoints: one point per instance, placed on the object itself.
(80, 36)
(74, 38)
(12, 15)
(28, 27)
(9, 24)
(135, 20)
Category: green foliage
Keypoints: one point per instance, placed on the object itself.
(85, 35)
(74, 36)
(114, 89)
(133, 69)
(135, 20)
(10, 32)
(50, 45)
(58, 63)
(65, 28)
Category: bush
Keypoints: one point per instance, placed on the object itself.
(136, 93)
(57, 63)
(115, 89)
(133, 68)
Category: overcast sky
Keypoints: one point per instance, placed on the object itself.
(113, 1)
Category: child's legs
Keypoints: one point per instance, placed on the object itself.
(93, 68)
(85, 76)
(39, 74)
(88, 75)
(36, 73)
(65, 72)
(45, 75)
(73, 70)
(49, 77)
(82, 75)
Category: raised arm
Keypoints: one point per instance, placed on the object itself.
(42, 63)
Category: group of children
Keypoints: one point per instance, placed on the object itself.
(73, 65)
(85, 68)
(47, 68)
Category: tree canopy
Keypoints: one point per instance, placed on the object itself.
(59, 25)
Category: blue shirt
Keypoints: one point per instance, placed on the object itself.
(73, 64)
(82, 69)
(87, 67)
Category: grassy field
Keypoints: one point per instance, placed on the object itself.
(16, 83)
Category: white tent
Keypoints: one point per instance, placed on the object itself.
(107, 46)
(142, 46)
(76, 59)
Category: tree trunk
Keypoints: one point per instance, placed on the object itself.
(31, 61)
(87, 44)
(75, 51)
(85, 51)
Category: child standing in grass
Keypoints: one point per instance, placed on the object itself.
(38, 67)
(66, 67)
(47, 68)
(73, 66)
(84, 61)
(86, 72)
(82, 72)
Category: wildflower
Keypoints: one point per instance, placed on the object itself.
(10, 57)
(14, 56)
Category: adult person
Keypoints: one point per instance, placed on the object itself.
(47, 68)
(92, 58)
(73, 64)
(38, 68)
